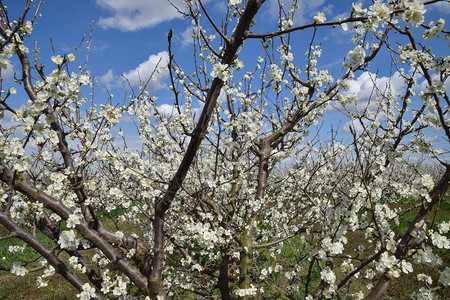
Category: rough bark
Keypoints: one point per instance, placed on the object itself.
(33, 242)
(34, 194)
(407, 240)
(197, 136)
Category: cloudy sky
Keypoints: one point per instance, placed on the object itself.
(129, 38)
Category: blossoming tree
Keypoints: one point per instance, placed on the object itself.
(248, 191)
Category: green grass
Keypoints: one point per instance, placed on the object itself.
(15, 287)
(28, 255)
(443, 214)
(25, 287)
(104, 214)
(275, 285)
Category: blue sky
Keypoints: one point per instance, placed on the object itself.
(131, 34)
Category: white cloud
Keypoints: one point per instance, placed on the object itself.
(441, 7)
(423, 85)
(6, 121)
(8, 73)
(305, 12)
(132, 141)
(364, 90)
(186, 37)
(132, 15)
(155, 67)
(109, 79)
(167, 110)
(328, 10)
(142, 73)
(356, 126)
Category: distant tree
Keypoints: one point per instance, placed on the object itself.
(245, 198)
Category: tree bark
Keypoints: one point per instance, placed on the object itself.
(33, 242)
(163, 204)
(407, 240)
(34, 194)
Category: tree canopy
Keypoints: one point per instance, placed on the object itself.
(254, 194)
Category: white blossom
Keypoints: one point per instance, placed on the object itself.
(28, 26)
(57, 59)
(328, 276)
(440, 241)
(87, 293)
(18, 269)
(406, 267)
(414, 12)
(84, 79)
(379, 11)
(444, 278)
(73, 220)
(423, 294)
(320, 18)
(67, 239)
(246, 292)
(444, 227)
(355, 57)
(220, 71)
(424, 278)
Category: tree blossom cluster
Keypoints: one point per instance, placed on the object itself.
(226, 199)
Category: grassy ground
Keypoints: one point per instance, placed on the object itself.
(403, 286)
(14, 287)
(25, 287)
